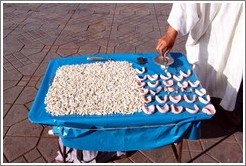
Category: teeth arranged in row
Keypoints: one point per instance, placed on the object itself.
(140, 79)
(192, 100)
(158, 89)
(166, 77)
(200, 92)
(141, 71)
(153, 85)
(153, 77)
(147, 99)
(183, 85)
(204, 101)
(168, 82)
(209, 109)
(192, 111)
(163, 109)
(175, 99)
(194, 84)
(148, 109)
(185, 74)
(141, 84)
(161, 101)
(178, 78)
(176, 109)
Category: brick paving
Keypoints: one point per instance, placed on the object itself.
(34, 33)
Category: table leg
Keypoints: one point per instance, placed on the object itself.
(177, 150)
(64, 154)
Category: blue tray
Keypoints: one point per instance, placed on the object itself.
(39, 115)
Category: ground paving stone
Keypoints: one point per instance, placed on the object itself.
(48, 152)
(20, 160)
(25, 128)
(12, 75)
(33, 81)
(205, 158)
(238, 136)
(41, 69)
(138, 157)
(68, 49)
(170, 159)
(32, 155)
(51, 55)
(16, 114)
(14, 147)
(229, 149)
(27, 95)
(184, 158)
(28, 69)
(159, 155)
(124, 160)
(28, 105)
(5, 129)
(195, 145)
(11, 45)
(11, 94)
(6, 108)
(39, 160)
(5, 160)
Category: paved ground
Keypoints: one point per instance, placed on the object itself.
(33, 34)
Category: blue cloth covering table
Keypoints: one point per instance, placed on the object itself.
(138, 131)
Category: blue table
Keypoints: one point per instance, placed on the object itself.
(119, 132)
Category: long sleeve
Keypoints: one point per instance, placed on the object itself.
(183, 17)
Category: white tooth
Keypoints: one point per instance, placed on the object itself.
(193, 111)
(141, 84)
(204, 101)
(153, 85)
(162, 109)
(152, 92)
(183, 85)
(161, 101)
(168, 83)
(158, 89)
(141, 79)
(170, 89)
(148, 109)
(194, 84)
(209, 109)
(200, 92)
(178, 78)
(185, 74)
(175, 99)
(152, 77)
(166, 77)
(176, 109)
(190, 100)
(144, 91)
(147, 99)
(140, 71)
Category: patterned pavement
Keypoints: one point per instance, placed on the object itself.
(34, 33)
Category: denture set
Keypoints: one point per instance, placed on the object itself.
(161, 92)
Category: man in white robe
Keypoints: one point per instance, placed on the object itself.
(215, 45)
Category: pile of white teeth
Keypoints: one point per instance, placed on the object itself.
(94, 89)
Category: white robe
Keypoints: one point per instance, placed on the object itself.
(215, 45)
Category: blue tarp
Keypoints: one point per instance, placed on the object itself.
(120, 132)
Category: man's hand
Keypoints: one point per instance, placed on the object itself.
(166, 42)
